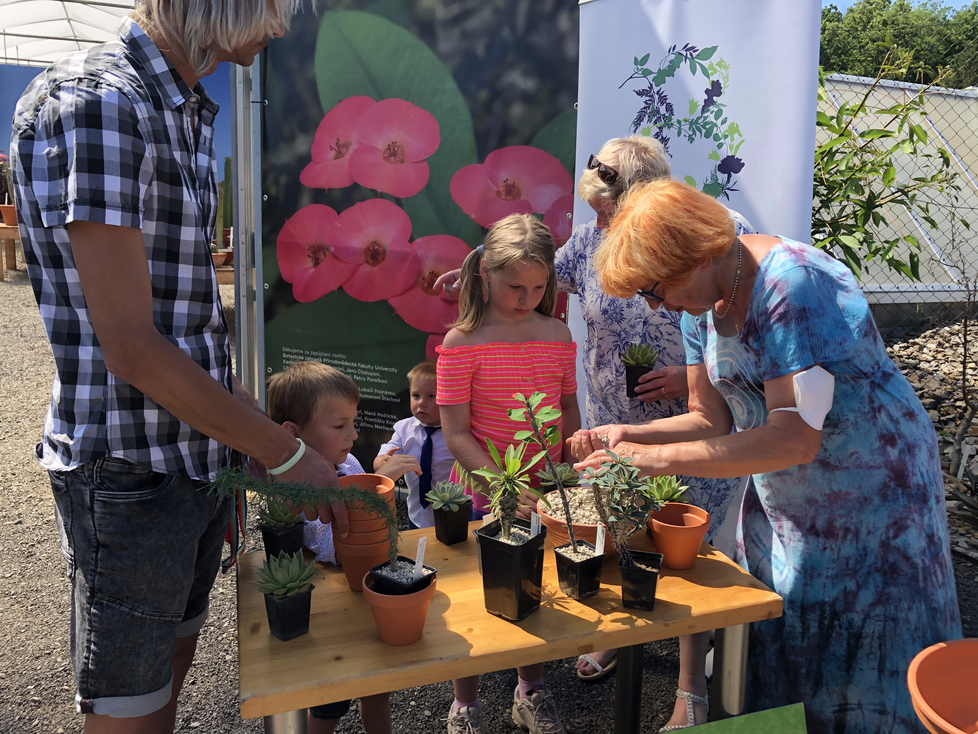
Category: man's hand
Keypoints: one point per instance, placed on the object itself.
(451, 282)
(663, 384)
(314, 470)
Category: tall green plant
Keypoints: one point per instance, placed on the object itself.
(857, 174)
(507, 482)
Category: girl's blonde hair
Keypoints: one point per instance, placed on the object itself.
(637, 159)
(518, 238)
(196, 29)
(663, 231)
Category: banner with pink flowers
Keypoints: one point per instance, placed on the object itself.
(392, 140)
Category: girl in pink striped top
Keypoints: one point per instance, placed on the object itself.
(505, 341)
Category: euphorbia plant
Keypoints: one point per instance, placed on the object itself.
(507, 482)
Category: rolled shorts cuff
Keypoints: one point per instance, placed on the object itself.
(193, 626)
(126, 707)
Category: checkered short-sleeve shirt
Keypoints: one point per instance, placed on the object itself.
(106, 136)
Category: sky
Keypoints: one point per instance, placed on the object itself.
(14, 79)
(843, 4)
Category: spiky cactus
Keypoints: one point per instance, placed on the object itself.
(640, 355)
(285, 575)
(276, 515)
(448, 496)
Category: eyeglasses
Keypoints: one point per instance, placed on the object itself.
(650, 293)
(606, 173)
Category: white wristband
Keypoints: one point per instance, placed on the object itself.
(291, 462)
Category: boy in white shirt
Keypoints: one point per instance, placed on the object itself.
(418, 439)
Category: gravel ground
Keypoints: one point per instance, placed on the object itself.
(35, 670)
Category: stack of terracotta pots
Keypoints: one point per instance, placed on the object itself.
(367, 544)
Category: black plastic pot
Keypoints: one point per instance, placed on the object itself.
(277, 541)
(289, 617)
(579, 579)
(632, 373)
(392, 587)
(452, 527)
(637, 584)
(511, 574)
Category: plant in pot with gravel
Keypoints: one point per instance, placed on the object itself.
(630, 500)
(286, 583)
(638, 360)
(281, 527)
(678, 528)
(399, 592)
(451, 510)
(512, 559)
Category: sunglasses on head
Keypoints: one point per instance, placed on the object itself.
(606, 173)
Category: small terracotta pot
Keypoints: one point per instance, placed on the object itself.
(942, 681)
(9, 214)
(369, 537)
(400, 619)
(384, 486)
(557, 529)
(678, 530)
(218, 258)
(358, 559)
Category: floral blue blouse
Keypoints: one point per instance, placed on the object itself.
(613, 324)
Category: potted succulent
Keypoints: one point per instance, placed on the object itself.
(630, 499)
(585, 517)
(281, 528)
(678, 528)
(451, 511)
(638, 359)
(286, 583)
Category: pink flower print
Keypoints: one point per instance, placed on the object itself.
(373, 237)
(305, 257)
(395, 138)
(434, 341)
(332, 147)
(420, 306)
(558, 219)
(515, 180)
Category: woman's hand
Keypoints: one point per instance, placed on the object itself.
(664, 384)
(642, 456)
(451, 282)
(585, 442)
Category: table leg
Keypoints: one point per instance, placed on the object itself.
(729, 672)
(1, 261)
(628, 689)
(291, 722)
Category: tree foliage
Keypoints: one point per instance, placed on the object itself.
(935, 35)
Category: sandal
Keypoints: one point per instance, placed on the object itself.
(690, 715)
(601, 671)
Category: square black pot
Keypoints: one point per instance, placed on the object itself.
(288, 541)
(392, 587)
(632, 373)
(452, 527)
(637, 584)
(289, 617)
(512, 575)
(579, 579)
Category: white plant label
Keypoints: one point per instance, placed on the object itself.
(419, 559)
(534, 525)
(599, 541)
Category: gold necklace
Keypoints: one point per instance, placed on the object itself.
(740, 261)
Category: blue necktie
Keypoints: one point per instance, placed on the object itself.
(424, 483)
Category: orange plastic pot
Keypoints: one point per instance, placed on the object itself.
(365, 538)
(358, 559)
(400, 619)
(942, 681)
(557, 529)
(384, 486)
(678, 531)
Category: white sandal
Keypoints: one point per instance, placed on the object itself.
(600, 671)
(690, 699)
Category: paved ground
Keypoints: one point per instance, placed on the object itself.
(35, 671)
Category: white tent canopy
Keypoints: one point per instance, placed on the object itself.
(39, 32)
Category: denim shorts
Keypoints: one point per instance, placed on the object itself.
(143, 550)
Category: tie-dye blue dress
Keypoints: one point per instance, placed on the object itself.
(856, 541)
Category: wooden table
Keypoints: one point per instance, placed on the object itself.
(9, 237)
(343, 657)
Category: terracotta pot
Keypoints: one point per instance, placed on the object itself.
(384, 486)
(9, 214)
(218, 258)
(400, 619)
(358, 559)
(369, 537)
(678, 530)
(367, 526)
(942, 681)
(557, 529)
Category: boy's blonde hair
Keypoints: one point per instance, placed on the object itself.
(426, 370)
(295, 394)
(518, 238)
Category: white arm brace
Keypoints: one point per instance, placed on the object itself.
(814, 391)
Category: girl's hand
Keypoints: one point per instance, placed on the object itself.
(451, 282)
(664, 384)
(528, 505)
(585, 442)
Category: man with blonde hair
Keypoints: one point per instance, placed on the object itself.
(115, 180)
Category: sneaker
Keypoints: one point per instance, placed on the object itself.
(538, 714)
(467, 720)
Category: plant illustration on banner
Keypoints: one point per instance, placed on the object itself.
(705, 120)
(391, 139)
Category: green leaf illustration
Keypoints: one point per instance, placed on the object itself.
(693, 106)
(690, 180)
(714, 156)
(706, 53)
(559, 138)
(644, 60)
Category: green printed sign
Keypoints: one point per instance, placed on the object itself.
(784, 720)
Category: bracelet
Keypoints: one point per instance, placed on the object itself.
(291, 462)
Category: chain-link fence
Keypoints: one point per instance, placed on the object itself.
(949, 251)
